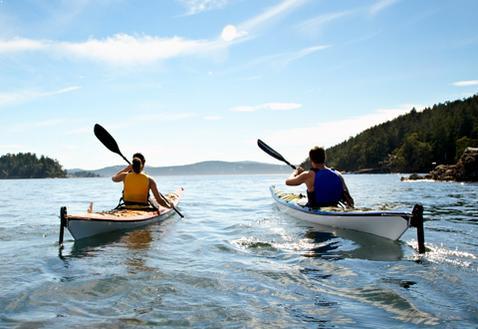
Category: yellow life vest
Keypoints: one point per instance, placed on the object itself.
(136, 188)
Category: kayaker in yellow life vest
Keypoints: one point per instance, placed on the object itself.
(137, 184)
(325, 187)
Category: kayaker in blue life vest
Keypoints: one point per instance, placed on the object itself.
(137, 185)
(325, 187)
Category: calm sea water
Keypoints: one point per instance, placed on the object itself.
(234, 261)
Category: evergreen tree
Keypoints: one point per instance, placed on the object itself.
(28, 165)
(412, 142)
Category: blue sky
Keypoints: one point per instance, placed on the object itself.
(190, 80)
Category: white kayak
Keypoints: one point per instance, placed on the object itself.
(386, 224)
(93, 223)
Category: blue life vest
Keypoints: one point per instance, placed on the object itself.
(328, 189)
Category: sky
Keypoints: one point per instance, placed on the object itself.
(185, 81)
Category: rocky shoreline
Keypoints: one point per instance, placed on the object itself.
(465, 170)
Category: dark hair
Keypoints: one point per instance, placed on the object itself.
(137, 165)
(140, 156)
(317, 154)
(138, 162)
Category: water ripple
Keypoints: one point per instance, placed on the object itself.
(234, 261)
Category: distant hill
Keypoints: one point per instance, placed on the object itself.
(203, 168)
(414, 142)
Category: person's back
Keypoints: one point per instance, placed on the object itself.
(325, 186)
(136, 185)
(136, 188)
(328, 188)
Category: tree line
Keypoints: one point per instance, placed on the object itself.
(28, 165)
(414, 142)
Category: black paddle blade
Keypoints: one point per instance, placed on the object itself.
(106, 139)
(273, 153)
(269, 150)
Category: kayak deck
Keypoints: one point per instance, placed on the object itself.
(88, 224)
(120, 215)
(128, 215)
(387, 224)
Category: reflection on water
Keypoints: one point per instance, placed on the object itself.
(90, 247)
(327, 243)
(139, 239)
(365, 246)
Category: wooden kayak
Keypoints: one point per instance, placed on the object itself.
(89, 224)
(386, 224)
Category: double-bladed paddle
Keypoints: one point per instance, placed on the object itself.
(273, 153)
(110, 143)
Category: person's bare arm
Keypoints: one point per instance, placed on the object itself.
(297, 177)
(120, 175)
(162, 201)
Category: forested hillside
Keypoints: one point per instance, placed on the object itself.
(28, 165)
(413, 142)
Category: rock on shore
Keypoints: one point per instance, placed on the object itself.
(465, 170)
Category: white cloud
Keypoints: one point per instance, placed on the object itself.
(465, 83)
(7, 98)
(20, 44)
(278, 61)
(297, 141)
(313, 25)
(267, 106)
(247, 28)
(59, 91)
(287, 58)
(120, 49)
(194, 7)
(231, 33)
(380, 5)
(127, 49)
(270, 14)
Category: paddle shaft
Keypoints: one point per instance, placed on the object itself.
(291, 165)
(273, 153)
(110, 143)
(129, 162)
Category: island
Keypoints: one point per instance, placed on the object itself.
(28, 165)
